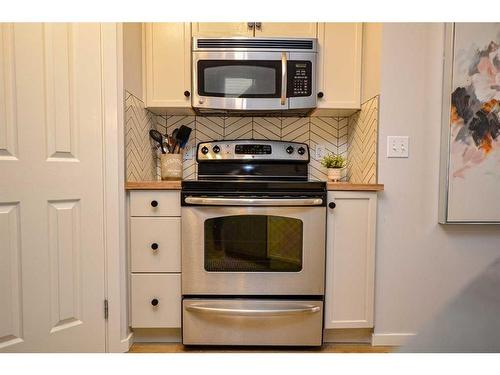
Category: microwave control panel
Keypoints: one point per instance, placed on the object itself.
(299, 78)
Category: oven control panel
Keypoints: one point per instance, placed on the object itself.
(258, 150)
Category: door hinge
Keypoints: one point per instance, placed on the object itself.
(106, 309)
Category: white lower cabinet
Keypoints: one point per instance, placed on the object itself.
(156, 300)
(155, 244)
(155, 259)
(350, 259)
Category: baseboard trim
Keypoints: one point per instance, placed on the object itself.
(173, 335)
(348, 335)
(391, 339)
(127, 342)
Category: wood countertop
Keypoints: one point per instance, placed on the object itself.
(176, 185)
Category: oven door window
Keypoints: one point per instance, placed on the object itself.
(239, 79)
(253, 243)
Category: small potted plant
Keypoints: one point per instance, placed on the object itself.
(334, 164)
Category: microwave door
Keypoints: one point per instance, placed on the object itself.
(240, 80)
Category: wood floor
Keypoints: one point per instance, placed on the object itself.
(326, 348)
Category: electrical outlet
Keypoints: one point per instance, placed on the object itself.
(188, 153)
(397, 146)
(320, 152)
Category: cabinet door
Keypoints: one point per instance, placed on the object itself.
(168, 64)
(286, 29)
(222, 29)
(350, 260)
(339, 65)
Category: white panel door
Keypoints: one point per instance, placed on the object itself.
(350, 259)
(51, 188)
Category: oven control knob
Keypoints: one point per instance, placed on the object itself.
(204, 150)
(216, 149)
(289, 150)
(301, 150)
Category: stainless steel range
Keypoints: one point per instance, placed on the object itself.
(253, 246)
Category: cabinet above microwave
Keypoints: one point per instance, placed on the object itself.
(168, 72)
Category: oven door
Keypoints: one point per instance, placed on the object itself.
(240, 80)
(236, 246)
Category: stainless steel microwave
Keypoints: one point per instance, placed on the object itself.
(251, 75)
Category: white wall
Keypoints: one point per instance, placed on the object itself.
(370, 79)
(132, 58)
(420, 264)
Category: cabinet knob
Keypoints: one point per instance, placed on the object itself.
(154, 203)
(332, 205)
(187, 94)
(154, 246)
(250, 25)
(258, 25)
(155, 302)
(320, 94)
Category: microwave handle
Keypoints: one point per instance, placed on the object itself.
(283, 78)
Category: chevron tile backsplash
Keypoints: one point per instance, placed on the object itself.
(354, 137)
(140, 155)
(362, 140)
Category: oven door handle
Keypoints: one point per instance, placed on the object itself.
(215, 201)
(207, 309)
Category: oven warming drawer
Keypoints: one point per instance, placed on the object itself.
(252, 322)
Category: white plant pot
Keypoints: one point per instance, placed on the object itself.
(334, 174)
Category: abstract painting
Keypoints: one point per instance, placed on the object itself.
(470, 165)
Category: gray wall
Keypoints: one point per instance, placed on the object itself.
(420, 264)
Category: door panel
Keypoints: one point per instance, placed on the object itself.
(350, 260)
(51, 200)
(168, 64)
(221, 29)
(339, 65)
(10, 276)
(8, 121)
(287, 29)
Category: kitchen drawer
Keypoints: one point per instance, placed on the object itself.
(252, 322)
(155, 244)
(164, 290)
(155, 203)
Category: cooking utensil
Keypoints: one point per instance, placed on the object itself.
(183, 135)
(156, 136)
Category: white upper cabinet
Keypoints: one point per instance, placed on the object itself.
(255, 29)
(339, 65)
(222, 29)
(168, 65)
(350, 259)
(286, 29)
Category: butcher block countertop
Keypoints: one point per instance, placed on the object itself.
(176, 185)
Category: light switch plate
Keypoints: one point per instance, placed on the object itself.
(397, 146)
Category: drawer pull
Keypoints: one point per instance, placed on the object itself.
(154, 203)
(155, 302)
(154, 246)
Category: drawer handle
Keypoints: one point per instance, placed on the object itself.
(154, 246)
(155, 302)
(307, 309)
(154, 203)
